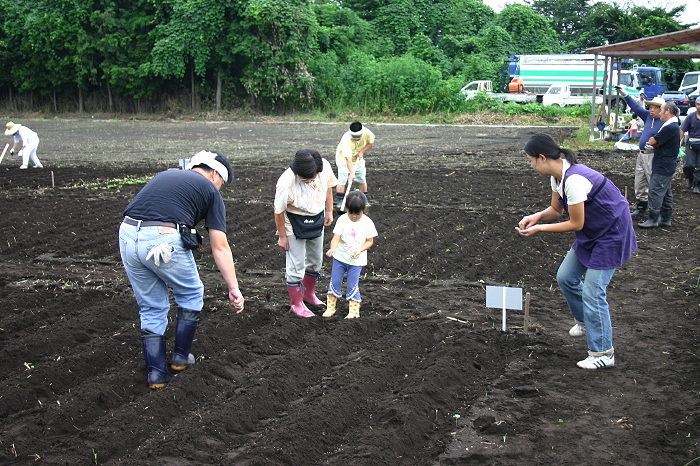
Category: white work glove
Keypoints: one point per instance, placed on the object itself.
(12, 152)
(159, 253)
(648, 147)
(622, 92)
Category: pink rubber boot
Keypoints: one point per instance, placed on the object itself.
(298, 306)
(309, 285)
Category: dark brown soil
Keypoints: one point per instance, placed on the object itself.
(424, 377)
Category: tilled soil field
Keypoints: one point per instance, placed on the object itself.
(424, 377)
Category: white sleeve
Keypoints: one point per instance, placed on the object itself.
(331, 180)
(340, 224)
(283, 193)
(577, 188)
(371, 229)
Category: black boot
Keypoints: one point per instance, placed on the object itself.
(154, 355)
(641, 209)
(653, 220)
(185, 328)
(665, 218)
(339, 200)
(696, 187)
(688, 174)
(367, 196)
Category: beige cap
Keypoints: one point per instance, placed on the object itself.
(658, 101)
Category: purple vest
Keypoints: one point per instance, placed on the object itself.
(607, 239)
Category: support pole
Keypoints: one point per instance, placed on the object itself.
(591, 138)
(504, 309)
(526, 323)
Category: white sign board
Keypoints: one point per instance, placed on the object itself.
(503, 297)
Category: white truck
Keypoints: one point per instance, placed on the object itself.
(561, 95)
(486, 87)
(691, 84)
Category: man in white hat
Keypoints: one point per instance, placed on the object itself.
(30, 143)
(642, 169)
(350, 159)
(156, 239)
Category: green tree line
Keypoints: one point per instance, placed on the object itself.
(371, 56)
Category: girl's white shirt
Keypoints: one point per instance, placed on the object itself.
(577, 186)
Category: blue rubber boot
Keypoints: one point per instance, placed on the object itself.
(154, 355)
(653, 220)
(185, 328)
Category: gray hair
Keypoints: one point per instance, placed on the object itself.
(673, 108)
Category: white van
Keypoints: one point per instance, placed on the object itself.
(691, 84)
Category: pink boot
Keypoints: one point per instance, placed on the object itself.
(298, 306)
(309, 285)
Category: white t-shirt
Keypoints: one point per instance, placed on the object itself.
(296, 196)
(577, 186)
(352, 236)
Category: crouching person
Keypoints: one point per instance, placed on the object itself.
(156, 240)
(303, 206)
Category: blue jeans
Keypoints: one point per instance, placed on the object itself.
(150, 282)
(587, 300)
(353, 281)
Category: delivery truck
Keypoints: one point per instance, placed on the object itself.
(539, 72)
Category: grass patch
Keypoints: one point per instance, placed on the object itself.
(112, 183)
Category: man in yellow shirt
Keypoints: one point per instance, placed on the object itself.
(350, 159)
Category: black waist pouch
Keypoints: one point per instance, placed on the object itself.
(191, 239)
(307, 226)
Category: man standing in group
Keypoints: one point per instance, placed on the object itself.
(666, 144)
(350, 159)
(691, 165)
(156, 240)
(642, 169)
(30, 143)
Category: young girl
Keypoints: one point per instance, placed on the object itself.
(353, 235)
(605, 239)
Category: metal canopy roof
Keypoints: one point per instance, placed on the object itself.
(648, 46)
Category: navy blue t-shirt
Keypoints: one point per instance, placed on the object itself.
(179, 196)
(666, 153)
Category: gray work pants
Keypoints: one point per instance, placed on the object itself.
(642, 175)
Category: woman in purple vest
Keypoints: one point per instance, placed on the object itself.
(600, 219)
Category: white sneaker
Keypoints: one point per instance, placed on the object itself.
(23, 167)
(597, 362)
(578, 330)
(38, 166)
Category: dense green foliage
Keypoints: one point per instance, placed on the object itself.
(391, 57)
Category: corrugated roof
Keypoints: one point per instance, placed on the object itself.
(648, 47)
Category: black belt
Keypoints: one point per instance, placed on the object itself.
(147, 223)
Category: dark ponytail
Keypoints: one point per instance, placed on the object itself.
(545, 144)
